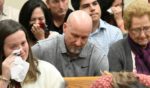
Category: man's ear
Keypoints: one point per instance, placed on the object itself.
(64, 27)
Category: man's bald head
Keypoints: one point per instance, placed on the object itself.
(77, 30)
(80, 18)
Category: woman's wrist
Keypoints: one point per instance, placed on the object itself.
(4, 82)
(4, 79)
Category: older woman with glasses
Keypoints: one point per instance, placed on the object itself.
(133, 52)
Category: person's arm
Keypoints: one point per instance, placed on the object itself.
(103, 64)
(50, 76)
(117, 11)
(3, 82)
(5, 76)
(114, 59)
(100, 61)
(36, 50)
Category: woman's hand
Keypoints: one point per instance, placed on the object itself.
(117, 11)
(38, 32)
(6, 65)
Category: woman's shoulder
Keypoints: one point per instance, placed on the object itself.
(44, 65)
(48, 69)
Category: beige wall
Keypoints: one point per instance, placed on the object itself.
(15, 3)
(18, 3)
(127, 2)
(69, 4)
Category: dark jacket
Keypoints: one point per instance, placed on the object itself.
(60, 29)
(119, 56)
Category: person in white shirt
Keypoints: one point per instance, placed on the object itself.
(40, 74)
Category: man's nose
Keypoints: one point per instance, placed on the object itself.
(78, 42)
(92, 7)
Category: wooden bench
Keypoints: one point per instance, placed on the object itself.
(80, 82)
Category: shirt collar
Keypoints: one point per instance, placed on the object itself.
(102, 25)
(100, 28)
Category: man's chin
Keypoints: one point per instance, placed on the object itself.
(94, 19)
(75, 52)
(62, 14)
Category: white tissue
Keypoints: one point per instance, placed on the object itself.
(110, 11)
(19, 69)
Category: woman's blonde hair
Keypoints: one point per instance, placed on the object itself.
(137, 8)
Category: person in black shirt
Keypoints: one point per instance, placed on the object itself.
(60, 12)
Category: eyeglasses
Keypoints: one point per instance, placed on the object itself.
(139, 30)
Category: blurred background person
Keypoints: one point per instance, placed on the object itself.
(60, 11)
(35, 17)
(112, 12)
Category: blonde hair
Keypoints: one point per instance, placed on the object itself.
(137, 8)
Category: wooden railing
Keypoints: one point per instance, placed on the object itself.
(79, 82)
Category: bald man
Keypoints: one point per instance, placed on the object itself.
(71, 53)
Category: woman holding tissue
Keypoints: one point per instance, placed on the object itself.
(15, 45)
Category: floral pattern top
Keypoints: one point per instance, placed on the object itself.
(105, 81)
